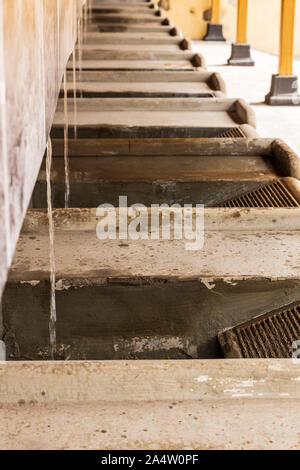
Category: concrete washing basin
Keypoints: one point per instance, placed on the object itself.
(210, 172)
(94, 84)
(148, 299)
(155, 118)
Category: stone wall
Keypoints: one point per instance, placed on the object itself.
(36, 40)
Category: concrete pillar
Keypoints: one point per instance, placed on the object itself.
(214, 27)
(284, 86)
(240, 50)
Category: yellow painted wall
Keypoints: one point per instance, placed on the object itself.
(264, 23)
(263, 20)
(188, 15)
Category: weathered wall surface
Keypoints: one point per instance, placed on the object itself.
(263, 20)
(36, 39)
(4, 228)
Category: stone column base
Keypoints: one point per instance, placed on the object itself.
(241, 55)
(214, 32)
(284, 91)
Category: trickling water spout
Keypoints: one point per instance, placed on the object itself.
(52, 321)
(66, 143)
(75, 95)
(79, 36)
(2, 351)
(85, 16)
(90, 9)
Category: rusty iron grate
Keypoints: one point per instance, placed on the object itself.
(234, 132)
(268, 336)
(272, 195)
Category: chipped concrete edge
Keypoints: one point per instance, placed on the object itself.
(245, 112)
(218, 82)
(91, 381)
(199, 61)
(215, 219)
(287, 159)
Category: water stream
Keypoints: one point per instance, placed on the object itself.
(52, 320)
(79, 47)
(66, 143)
(2, 351)
(90, 9)
(74, 95)
(85, 16)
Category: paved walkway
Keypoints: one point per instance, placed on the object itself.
(253, 83)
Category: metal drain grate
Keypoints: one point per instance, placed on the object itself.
(272, 195)
(234, 132)
(269, 336)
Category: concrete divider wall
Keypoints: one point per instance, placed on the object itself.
(36, 40)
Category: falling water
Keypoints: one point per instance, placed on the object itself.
(66, 143)
(2, 351)
(76, 14)
(85, 16)
(79, 47)
(75, 95)
(79, 35)
(90, 9)
(52, 321)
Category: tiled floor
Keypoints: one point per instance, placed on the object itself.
(253, 83)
